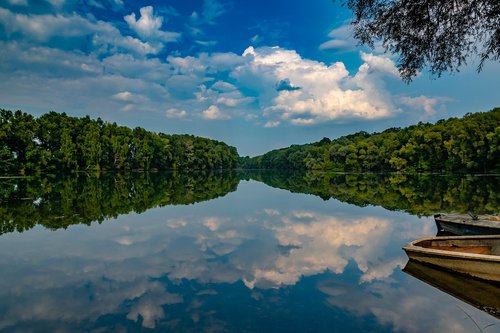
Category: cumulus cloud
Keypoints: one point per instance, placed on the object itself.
(148, 26)
(175, 113)
(327, 92)
(380, 64)
(214, 113)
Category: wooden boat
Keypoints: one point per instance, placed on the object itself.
(476, 256)
(468, 224)
(481, 294)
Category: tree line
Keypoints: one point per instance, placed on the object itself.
(468, 144)
(58, 142)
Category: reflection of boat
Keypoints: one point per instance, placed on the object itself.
(463, 224)
(477, 256)
(481, 294)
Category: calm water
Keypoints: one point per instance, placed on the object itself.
(239, 252)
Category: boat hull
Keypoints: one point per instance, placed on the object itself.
(465, 225)
(478, 265)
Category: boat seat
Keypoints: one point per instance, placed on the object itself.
(466, 249)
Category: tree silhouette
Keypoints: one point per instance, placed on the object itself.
(440, 34)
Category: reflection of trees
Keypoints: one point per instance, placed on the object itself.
(422, 194)
(60, 201)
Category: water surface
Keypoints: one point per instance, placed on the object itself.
(228, 252)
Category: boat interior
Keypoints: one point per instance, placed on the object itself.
(487, 246)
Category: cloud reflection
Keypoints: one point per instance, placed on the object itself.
(392, 306)
(114, 268)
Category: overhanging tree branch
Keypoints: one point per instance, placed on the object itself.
(438, 34)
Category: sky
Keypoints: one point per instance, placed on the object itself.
(258, 75)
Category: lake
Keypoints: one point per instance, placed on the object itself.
(229, 252)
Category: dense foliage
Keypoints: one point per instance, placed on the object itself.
(58, 201)
(470, 144)
(57, 142)
(419, 194)
(437, 34)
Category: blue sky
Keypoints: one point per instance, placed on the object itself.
(256, 74)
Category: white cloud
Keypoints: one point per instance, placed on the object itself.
(127, 96)
(324, 242)
(430, 105)
(271, 212)
(336, 44)
(206, 43)
(379, 64)
(214, 113)
(175, 113)
(115, 42)
(341, 40)
(327, 92)
(271, 124)
(148, 26)
(43, 27)
(123, 96)
(105, 37)
(222, 94)
(150, 305)
(223, 86)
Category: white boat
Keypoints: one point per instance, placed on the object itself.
(476, 256)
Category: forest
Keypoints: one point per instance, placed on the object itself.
(56, 142)
(468, 144)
